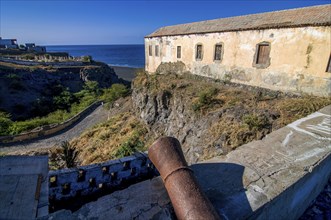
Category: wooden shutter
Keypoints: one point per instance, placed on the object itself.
(156, 50)
(179, 52)
(263, 54)
(328, 68)
(218, 52)
(199, 52)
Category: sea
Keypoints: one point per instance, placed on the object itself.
(113, 55)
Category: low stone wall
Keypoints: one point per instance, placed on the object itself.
(97, 178)
(48, 129)
(35, 63)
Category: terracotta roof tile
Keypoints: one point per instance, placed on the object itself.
(300, 17)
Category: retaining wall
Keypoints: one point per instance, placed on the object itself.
(48, 129)
(35, 63)
(95, 178)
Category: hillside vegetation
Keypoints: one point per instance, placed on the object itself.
(67, 105)
(35, 95)
(209, 117)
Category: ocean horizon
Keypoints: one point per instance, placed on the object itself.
(130, 55)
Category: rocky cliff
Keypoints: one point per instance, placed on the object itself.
(210, 117)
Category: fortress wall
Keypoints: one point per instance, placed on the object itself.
(97, 178)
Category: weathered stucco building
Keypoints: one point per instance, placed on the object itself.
(283, 50)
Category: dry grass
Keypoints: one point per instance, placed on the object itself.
(234, 133)
(295, 108)
(111, 139)
(261, 117)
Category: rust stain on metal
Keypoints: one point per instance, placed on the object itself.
(185, 193)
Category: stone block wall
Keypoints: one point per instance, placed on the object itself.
(96, 178)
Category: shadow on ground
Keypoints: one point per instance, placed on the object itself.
(223, 184)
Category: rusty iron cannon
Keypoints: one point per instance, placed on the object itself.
(185, 193)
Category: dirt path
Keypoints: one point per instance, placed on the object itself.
(98, 115)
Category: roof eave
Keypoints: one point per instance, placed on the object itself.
(241, 29)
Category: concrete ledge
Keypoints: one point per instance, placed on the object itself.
(274, 178)
(281, 175)
(23, 187)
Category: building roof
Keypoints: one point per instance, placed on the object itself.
(299, 17)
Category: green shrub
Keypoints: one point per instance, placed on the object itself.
(114, 92)
(133, 144)
(90, 88)
(23, 126)
(69, 154)
(205, 99)
(87, 59)
(129, 147)
(5, 123)
(64, 100)
(255, 122)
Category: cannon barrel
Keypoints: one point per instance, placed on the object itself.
(185, 193)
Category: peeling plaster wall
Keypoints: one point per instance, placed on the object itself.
(298, 57)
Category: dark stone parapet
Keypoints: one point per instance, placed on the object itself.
(71, 188)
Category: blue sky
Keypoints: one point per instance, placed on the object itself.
(70, 22)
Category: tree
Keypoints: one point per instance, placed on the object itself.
(64, 100)
(92, 88)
